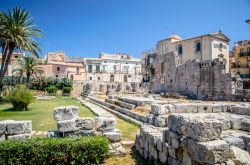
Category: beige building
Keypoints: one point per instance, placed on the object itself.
(57, 64)
(240, 61)
(113, 68)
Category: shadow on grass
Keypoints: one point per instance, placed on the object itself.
(8, 110)
(139, 160)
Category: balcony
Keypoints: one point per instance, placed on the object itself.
(244, 54)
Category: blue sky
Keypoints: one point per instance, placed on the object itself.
(86, 27)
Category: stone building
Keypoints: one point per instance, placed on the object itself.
(147, 60)
(115, 68)
(240, 61)
(57, 64)
(198, 67)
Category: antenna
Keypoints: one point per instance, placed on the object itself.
(248, 22)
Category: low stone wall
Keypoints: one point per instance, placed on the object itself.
(191, 139)
(69, 124)
(198, 133)
(15, 130)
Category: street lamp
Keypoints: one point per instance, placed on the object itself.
(248, 22)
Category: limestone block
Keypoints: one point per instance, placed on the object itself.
(248, 148)
(85, 123)
(172, 152)
(203, 129)
(185, 108)
(113, 136)
(19, 137)
(53, 134)
(158, 109)
(204, 108)
(172, 161)
(2, 137)
(160, 120)
(70, 134)
(105, 123)
(163, 157)
(66, 113)
(236, 121)
(19, 127)
(176, 123)
(245, 125)
(153, 152)
(159, 145)
(3, 125)
(211, 152)
(234, 141)
(145, 154)
(240, 156)
(225, 121)
(238, 109)
(246, 140)
(67, 126)
(88, 133)
(150, 118)
(186, 159)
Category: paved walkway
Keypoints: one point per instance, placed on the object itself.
(99, 111)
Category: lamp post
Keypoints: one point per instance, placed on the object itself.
(248, 22)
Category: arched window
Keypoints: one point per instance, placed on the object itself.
(197, 46)
(179, 49)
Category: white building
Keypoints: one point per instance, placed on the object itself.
(113, 68)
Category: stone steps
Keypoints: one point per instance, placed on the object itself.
(121, 104)
(124, 111)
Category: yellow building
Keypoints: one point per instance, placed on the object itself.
(240, 61)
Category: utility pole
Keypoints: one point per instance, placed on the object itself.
(248, 22)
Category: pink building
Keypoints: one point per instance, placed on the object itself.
(57, 64)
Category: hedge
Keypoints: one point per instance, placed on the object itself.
(83, 150)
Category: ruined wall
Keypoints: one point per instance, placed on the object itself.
(204, 80)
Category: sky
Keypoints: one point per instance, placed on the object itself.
(87, 27)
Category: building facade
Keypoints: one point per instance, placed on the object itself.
(57, 64)
(117, 68)
(240, 61)
(198, 67)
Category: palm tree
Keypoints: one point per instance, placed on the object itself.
(28, 66)
(17, 32)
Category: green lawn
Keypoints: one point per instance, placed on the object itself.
(41, 112)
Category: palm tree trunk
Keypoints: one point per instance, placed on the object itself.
(6, 55)
(28, 77)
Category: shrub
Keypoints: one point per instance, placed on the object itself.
(21, 97)
(81, 150)
(52, 89)
(67, 89)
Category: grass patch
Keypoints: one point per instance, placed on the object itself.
(128, 130)
(41, 112)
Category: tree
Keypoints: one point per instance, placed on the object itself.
(17, 32)
(28, 66)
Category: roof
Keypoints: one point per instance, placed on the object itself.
(218, 35)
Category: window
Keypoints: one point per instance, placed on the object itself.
(248, 63)
(241, 50)
(90, 78)
(238, 64)
(179, 49)
(105, 68)
(162, 67)
(72, 77)
(56, 75)
(58, 68)
(197, 46)
(97, 69)
(248, 49)
(89, 68)
(116, 68)
(77, 70)
(99, 78)
(126, 69)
